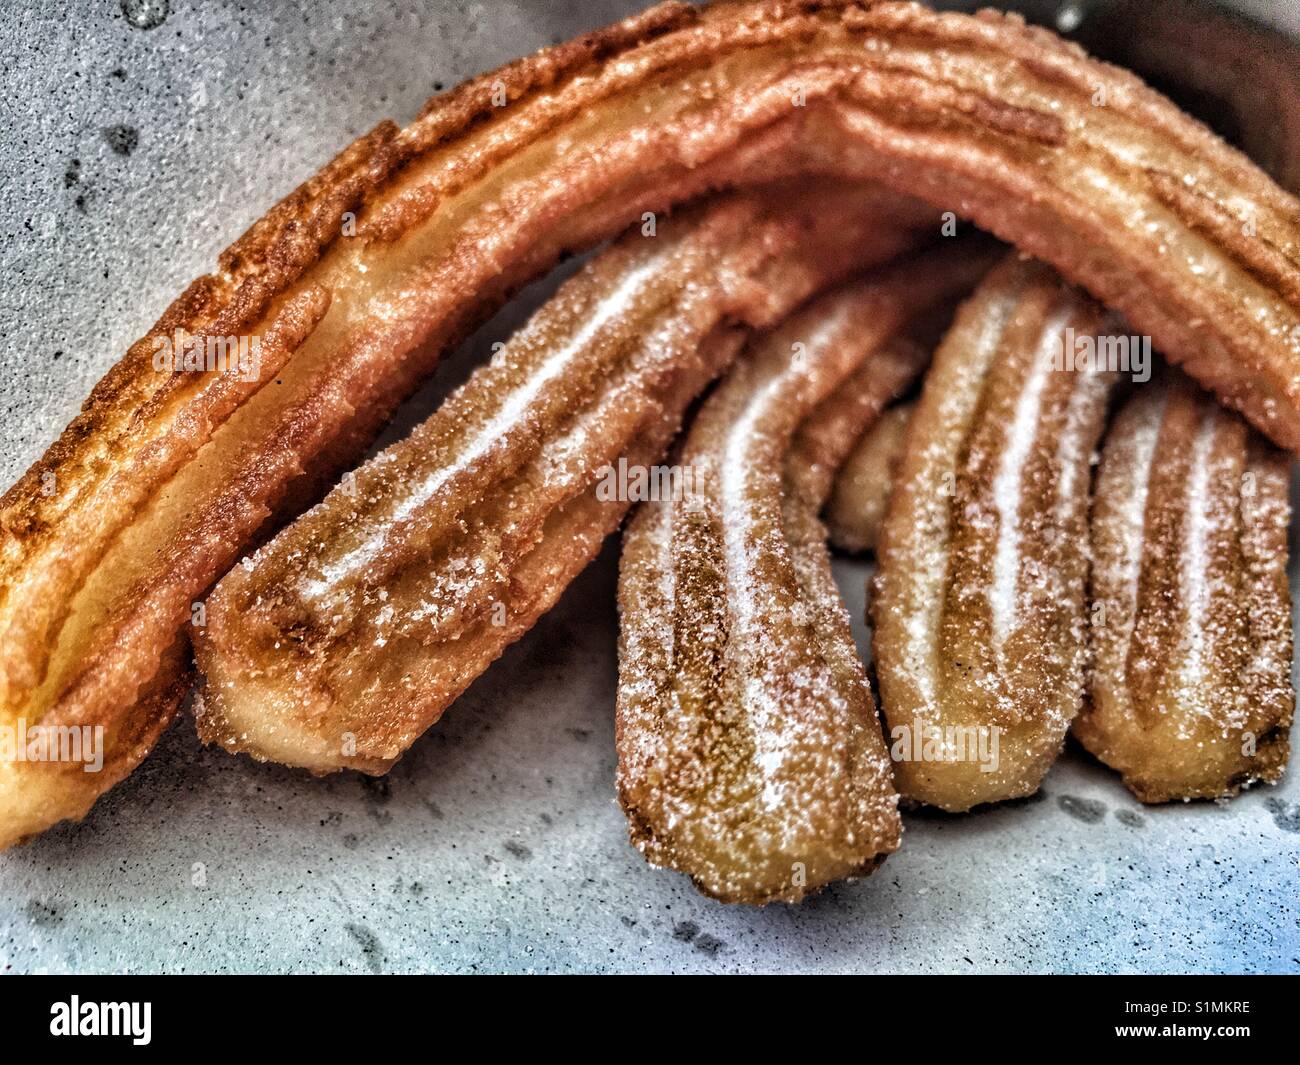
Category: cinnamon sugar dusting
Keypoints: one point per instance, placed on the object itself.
(1190, 693)
(979, 607)
(749, 754)
(162, 486)
(370, 614)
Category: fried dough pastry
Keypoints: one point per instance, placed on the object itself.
(862, 487)
(1232, 66)
(750, 756)
(979, 605)
(356, 282)
(344, 638)
(1190, 692)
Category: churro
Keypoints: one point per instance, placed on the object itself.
(345, 637)
(860, 497)
(1190, 694)
(750, 755)
(355, 283)
(979, 604)
(1228, 64)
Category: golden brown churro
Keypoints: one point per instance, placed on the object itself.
(356, 282)
(1241, 70)
(979, 608)
(749, 752)
(1190, 694)
(349, 634)
(860, 498)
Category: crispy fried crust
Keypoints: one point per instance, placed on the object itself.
(1244, 71)
(165, 478)
(750, 756)
(346, 636)
(860, 498)
(979, 609)
(1190, 694)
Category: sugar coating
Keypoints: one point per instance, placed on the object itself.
(1190, 690)
(979, 607)
(749, 752)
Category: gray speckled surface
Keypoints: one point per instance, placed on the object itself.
(132, 157)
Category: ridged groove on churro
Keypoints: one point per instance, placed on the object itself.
(1244, 70)
(979, 600)
(1190, 694)
(749, 753)
(857, 506)
(347, 635)
(357, 281)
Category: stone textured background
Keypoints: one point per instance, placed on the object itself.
(138, 141)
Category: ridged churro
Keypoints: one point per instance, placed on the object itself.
(860, 498)
(979, 604)
(1226, 62)
(1190, 694)
(750, 755)
(345, 637)
(355, 283)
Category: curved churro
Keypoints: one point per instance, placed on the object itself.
(979, 609)
(356, 282)
(1223, 60)
(1190, 694)
(749, 753)
(860, 497)
(344, 638)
